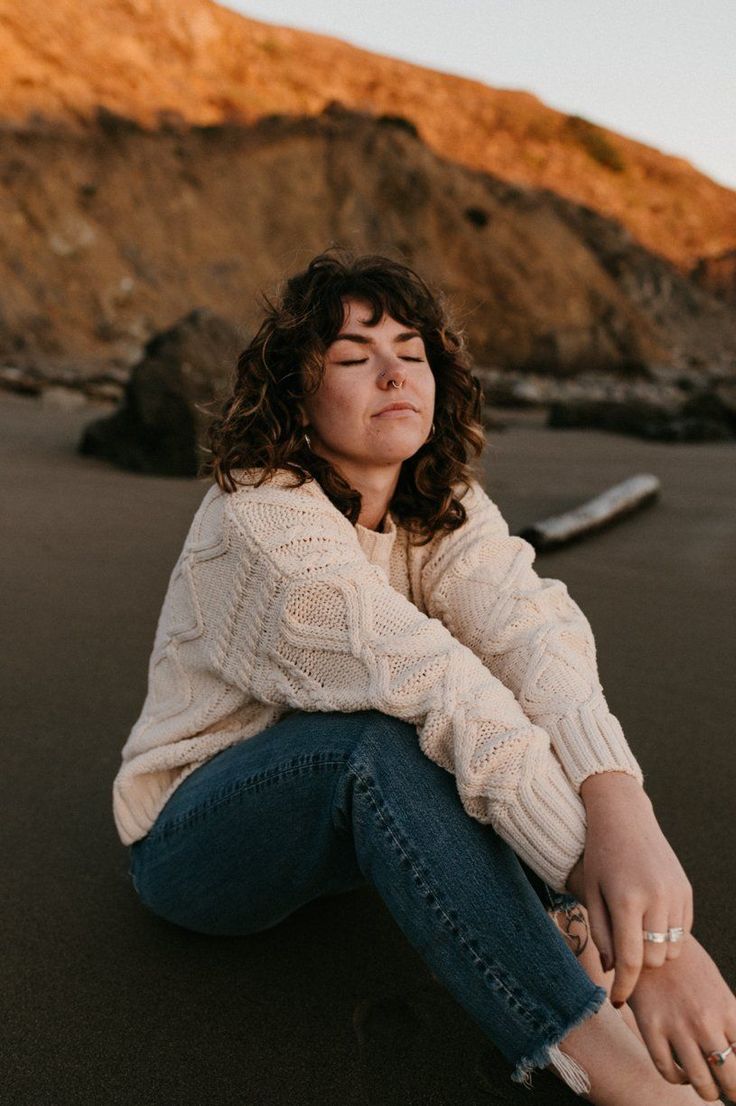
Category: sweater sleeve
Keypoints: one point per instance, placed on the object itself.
(317, 627)
(530, 633)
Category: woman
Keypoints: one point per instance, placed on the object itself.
(358, 677)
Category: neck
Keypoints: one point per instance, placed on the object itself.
(376, 487)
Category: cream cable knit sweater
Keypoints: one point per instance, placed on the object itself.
(277, 602)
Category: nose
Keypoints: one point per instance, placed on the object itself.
(392, 374)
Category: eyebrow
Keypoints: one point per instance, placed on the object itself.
(404, 336)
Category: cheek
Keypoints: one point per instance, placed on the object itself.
(335, 404)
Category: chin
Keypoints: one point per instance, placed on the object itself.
(395, 456)
(398, 448)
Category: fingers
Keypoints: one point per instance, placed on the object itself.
(600, 928)
(699, 1072)
(659, 918)
(661, 1054)
(674, 948)
(656, 921)
(619, 934)
(685, 1060)
(683, 918)
(725, 1073)
(628, 950)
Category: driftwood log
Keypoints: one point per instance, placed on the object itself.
(604, 509)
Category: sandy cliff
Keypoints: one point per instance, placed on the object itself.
(193, 59)
(115, 232)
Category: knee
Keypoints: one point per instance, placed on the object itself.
(388, 754)
(365, 730)
(383, 738)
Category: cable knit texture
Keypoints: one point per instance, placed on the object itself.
(277, 603)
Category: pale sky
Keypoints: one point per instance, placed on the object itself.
(661, 71)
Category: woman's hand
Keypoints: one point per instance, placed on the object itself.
(686, 1006)
(629, 880)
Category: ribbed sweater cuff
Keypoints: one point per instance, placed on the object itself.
(589, 740)
(545, 824)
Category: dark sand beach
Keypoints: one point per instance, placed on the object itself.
(106, 1005)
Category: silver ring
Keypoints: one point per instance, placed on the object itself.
(656, 938)
(717, 1058)
(675, 933)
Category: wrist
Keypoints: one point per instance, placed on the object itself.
(606, 785)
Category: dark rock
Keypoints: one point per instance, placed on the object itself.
(641, 419)
(514, 390)
(717, 404)
(169, 399)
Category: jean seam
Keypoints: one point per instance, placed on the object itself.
(455, 927)
(236, 790)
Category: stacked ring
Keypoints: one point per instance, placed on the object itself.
(674, 933)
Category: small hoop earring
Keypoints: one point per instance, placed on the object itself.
(306, 439)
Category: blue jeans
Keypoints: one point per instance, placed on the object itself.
(322, 803)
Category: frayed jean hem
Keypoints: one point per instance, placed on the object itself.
(549, 1054)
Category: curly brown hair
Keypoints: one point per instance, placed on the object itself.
(259, 426)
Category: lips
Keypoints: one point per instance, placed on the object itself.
(397, 407)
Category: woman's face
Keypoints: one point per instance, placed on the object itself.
(365, 370)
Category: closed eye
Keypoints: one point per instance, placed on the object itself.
(363, 360)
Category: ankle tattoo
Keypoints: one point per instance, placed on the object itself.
(573, 924)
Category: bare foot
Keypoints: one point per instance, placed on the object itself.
(600, 1047)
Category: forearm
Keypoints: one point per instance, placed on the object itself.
(532, 635)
